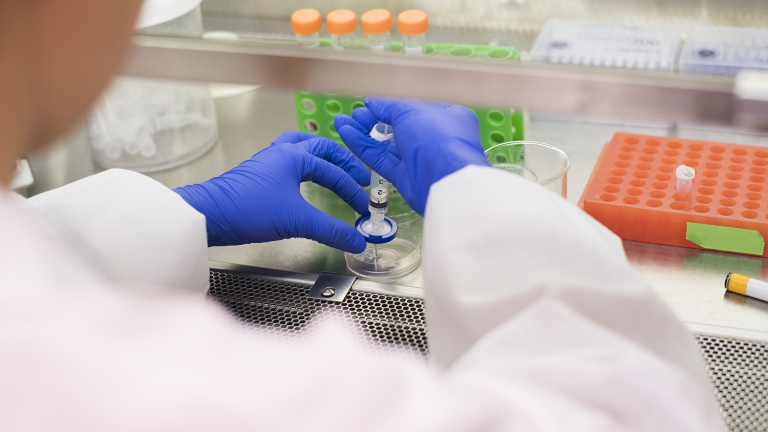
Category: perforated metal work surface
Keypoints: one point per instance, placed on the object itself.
(388, 322)
(738, 370)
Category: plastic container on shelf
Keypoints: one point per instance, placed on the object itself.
(341, 24)
(149, 125)
(633, 192)
(724, 50)
(413, 25)
(180, 18)
(539, 162)
(608, 45)
(376, 24)
(306, 24)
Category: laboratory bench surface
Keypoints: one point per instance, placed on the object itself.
(690, 281)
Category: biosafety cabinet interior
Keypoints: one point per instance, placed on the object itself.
(567, 73)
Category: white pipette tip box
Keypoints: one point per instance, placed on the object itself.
(724, 51)
(607, 45)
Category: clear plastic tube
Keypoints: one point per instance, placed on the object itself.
(379, 42)
(414, 45)
(308, 41)
(382, 132)
(342, 42)
(684, 181)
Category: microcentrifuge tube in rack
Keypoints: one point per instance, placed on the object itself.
(684, 181)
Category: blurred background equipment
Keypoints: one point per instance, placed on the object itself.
(22, 177)
(149, 125)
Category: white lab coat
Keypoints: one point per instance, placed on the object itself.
(536, 323)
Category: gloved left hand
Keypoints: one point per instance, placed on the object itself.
(259, 200)
(431, 140)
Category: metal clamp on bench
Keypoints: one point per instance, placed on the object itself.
(331, 287)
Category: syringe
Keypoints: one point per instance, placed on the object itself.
(378, 203)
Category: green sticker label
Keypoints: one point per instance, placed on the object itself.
(726, 239)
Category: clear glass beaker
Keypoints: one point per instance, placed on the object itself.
(540, 162)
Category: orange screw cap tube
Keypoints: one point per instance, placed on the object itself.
(341, 24)
(306, 23)
(376, 24)
(413, 25)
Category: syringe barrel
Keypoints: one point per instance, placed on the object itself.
(379, 197)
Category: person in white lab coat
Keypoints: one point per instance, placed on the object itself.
(536, 321)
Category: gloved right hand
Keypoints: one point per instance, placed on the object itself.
(431, 141)
(260, 200)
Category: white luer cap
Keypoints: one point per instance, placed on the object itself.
(154, 12)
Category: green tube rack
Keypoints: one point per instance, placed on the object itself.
(450, 50)
(316, 111)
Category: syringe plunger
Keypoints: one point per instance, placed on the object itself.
(379, 198)
(378, 203)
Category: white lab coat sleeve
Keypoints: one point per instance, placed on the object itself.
(131, 229)
(102, 359)
(529, 294)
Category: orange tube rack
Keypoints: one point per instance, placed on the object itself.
(632, 192)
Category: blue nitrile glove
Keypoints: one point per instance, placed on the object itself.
(431, 140)
(259, 200)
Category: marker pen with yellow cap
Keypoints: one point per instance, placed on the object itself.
(376, 24)
(747, 286)
(413, 25)
(306, 23)
(341, 24)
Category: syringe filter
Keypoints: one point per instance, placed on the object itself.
(375, 238)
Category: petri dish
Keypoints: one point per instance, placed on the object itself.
(395, 258)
